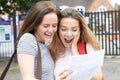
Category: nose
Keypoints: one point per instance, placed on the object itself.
(50, 29)
(69, 33)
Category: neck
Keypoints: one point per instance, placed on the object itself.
(38, 38)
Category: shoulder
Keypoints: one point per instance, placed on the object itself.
(88, 45)
(28, 39)
(28, 36)
(89, 48)
(27, 43)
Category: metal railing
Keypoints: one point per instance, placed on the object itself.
(105, 26)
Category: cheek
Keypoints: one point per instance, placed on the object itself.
(61, 34)
(77, 34)
(39, 28)
(40, 31)
(55, 29)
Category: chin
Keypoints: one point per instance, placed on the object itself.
(67, 46)
(48, 39)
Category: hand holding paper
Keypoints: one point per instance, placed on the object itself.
(85, 66)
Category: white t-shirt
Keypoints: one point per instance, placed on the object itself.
(61, 63)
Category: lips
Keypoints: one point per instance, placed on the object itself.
(68, 40)
(48, 36)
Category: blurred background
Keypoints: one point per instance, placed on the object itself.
(102, 17)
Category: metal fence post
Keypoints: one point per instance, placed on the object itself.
(14, 30)
(14, 24)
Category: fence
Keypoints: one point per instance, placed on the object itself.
(105, 26)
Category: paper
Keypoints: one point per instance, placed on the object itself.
(85, 66)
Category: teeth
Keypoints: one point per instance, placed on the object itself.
(68, 41)
(49, 36)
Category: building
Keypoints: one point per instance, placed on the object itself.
(85, 5)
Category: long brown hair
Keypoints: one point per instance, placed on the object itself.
(35, 17)
(86, 34)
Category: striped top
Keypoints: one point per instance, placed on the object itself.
(28, 45)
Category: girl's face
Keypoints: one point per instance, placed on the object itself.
(46, 30)
(69, 29)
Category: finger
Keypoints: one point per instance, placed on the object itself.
(74, 45)
(68, 79)
(61, 72)
(65, 74)
(76, 40)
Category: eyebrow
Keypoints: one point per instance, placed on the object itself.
(66, 26)
(63, 26)
(74, 26)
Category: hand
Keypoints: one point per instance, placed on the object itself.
(97, 75)
(63, 75)
(74, 45)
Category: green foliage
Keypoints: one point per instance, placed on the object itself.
(20, 5)
(25, 5)
(4, 8)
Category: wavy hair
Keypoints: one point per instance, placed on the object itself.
(86, 34)
(35, 17)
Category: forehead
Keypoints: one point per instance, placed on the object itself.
(69, 22)
(50, 17)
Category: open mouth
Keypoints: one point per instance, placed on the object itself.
(68, 40)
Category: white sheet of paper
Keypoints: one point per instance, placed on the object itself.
(85, 66)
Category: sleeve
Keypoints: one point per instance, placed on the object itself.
(27, 44)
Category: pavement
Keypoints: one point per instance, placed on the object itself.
(111, 70)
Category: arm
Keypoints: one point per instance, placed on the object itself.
(26, 64)
(97, 75)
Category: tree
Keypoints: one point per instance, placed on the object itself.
(6, 6)
(25, 5)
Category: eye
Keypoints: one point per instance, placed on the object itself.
(55, 25)
(63, 29)
(74, 29)
(45, 26)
